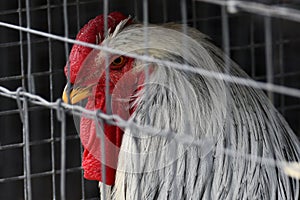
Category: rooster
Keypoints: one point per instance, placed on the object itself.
(177, 104)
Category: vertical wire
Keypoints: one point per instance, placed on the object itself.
(187, 129)
(146, 52)
(100, 134)
(184, 19)
(26, 152)
(107, 78)
(225, 38)
(269, 61)
(29, 75)
(165, 10)
(252, 47)
(51, 99)
(66, 33)
(21, 44)
(23, 85)
(281, 66)
(146, 86)
(26, 147)
(63, 127)
(78, 14)
(185, 47)
(226, 57)
(136, 9)
(269, 56)
(82, 175)
(194, 12)
(107, 100)
(62, 118)
(80, 146)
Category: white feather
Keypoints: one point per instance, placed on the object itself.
(236, 117)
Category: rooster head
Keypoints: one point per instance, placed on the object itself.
(168, 89)
(87, 79)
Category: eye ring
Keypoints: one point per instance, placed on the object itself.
(118, 62)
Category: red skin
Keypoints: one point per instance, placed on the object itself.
(88, 34)
(91, 156)
(123, 84)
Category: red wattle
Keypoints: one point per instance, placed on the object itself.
(92, 158)
(127, 82)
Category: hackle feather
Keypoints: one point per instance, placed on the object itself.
(234, 116)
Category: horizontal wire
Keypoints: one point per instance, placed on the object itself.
(233, 47)
(17, 111)
(261, 44)
(43, 7)
(211, 74)
(151, 131)
(24, 42)
(14, 178)
(70, 137)
(258, 8)
(38, 142)
(40, 174)
(11, 146)
(35, 74)
(279, 75)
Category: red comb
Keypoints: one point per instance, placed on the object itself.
(94, 28)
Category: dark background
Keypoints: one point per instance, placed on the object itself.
(247, 48)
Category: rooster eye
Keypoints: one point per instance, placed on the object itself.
(118, 63)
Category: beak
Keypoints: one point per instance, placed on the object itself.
(76, 94)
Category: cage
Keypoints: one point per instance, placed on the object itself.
(40, 149)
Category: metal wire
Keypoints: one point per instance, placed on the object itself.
(29, 64)
(43, 7)
(61, 115)
(258, 8)
(53, 170)
(118, 121)
(243, 81)
(107, 102)
(26, 152)
(23, 98)
(41, 174)
(269, 54)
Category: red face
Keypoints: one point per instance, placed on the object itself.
(123, 83)
(88, 79)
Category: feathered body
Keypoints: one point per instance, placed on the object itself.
(237, 117)
(228, 115)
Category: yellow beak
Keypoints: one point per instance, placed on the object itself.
(76, 95)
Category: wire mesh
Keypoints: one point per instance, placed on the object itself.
(39, 145)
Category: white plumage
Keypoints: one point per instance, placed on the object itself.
(226, 114)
